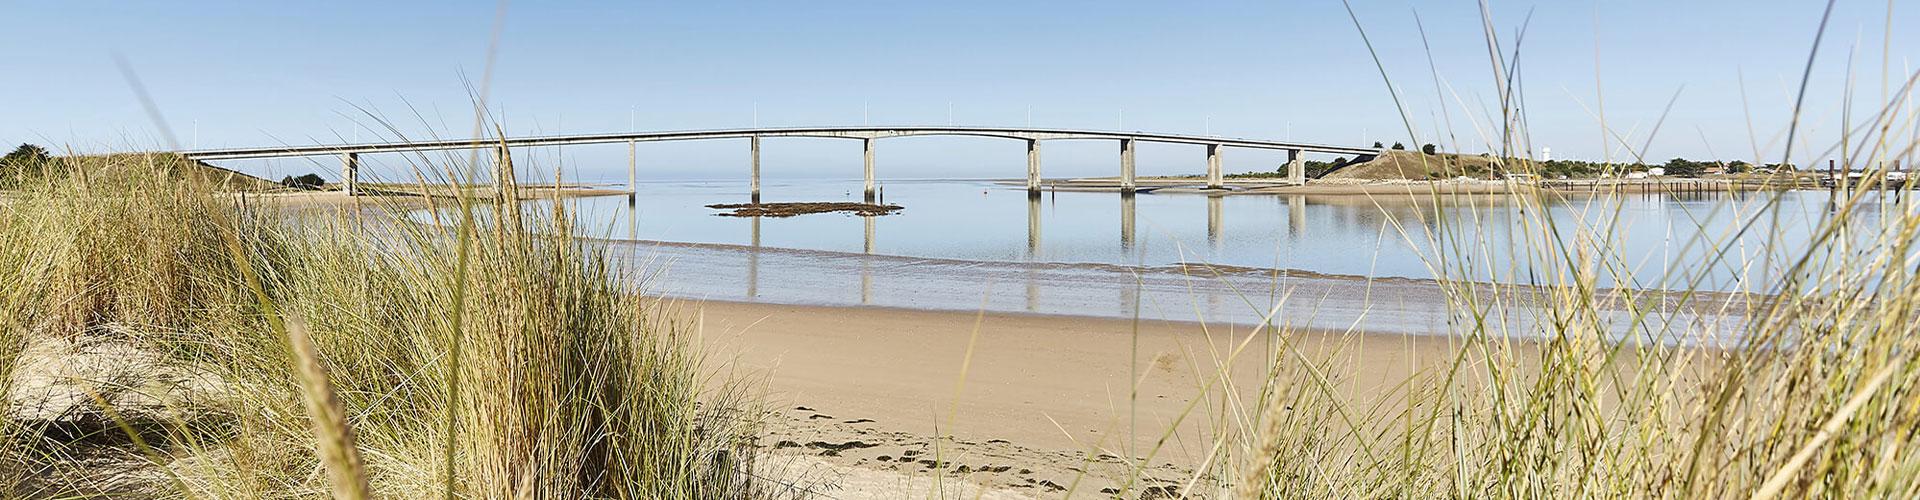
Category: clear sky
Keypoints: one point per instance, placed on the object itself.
(233, 74)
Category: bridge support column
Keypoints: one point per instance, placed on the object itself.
(633, 172)
(1126, 166)
(501, 169)
(1296, 170)
(867, 145)
(753, 144)
(1033, 165)
(1214, 179)
(350, 173)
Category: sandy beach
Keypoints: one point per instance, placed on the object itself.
(865, 389)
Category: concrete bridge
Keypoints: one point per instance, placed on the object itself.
(350, 153)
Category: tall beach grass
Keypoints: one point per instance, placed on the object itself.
(1797, 385)
(333, 354)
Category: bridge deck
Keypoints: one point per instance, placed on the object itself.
(1033, 134)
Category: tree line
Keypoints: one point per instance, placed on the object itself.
(30, 162)
(1676, 167)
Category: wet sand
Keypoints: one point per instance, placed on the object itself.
(867, 388)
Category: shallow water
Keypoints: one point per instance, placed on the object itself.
(1653, 235)
(965, 245)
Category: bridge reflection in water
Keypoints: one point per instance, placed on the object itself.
(1051, 272)
(1035, 248)
(1035, 251)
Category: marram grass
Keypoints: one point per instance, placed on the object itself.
(327, 335)
(1799, 385)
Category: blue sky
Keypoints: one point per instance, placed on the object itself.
(231, 74)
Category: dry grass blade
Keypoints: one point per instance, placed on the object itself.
(1778, 482)
(345, 470)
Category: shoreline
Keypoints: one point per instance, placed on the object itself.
(1408, 187)
(1699, 298)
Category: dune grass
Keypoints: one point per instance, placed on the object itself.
(1804, 389)
(356, 357)
(492, 355)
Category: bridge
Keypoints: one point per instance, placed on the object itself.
(350, 153)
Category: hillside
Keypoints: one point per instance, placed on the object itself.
(182, 168)
(1414, 165)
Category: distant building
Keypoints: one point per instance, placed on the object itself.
(1546, 154)
(1657, 171)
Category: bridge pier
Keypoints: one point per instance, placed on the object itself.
(502, 170)
(867, 146)
(633, 176)
(350, 173)
(1126, 166)
(753, 145)
(1296, 170)
(1214, 179)
(1033, 165)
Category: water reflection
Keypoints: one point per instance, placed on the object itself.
(1347, 235)
(812, 277)
(1213, 221)
(1296, 215)
(1033, 226)
(753, 262)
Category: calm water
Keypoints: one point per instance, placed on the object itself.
(1343, 235)
(964, 244)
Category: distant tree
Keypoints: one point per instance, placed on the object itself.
(1339, 162)
(26, 153)
(1377, 144)
(1681, 167)
(25, 162)
(1399, 146)
(1739, 167)
(305, 182)
(1429, 149)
